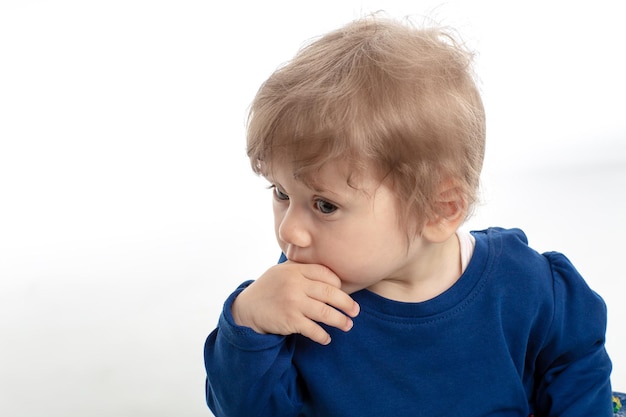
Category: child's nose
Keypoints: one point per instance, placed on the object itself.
(294, 228)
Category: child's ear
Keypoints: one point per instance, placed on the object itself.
(451, 212)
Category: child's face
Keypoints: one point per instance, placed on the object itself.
(351, 228)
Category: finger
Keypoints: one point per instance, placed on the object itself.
(320, 273)
(335, 297)
(330, 294)
(323, 313)
(314, 331)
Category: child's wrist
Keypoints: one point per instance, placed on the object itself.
(239, 318)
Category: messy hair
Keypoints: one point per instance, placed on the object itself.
(376, 94)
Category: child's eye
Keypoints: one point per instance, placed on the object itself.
(325, 207)
(279, 194)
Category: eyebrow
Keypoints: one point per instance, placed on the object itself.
(318, 188)
(312, 185)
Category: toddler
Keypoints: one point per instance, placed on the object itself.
(372, 139)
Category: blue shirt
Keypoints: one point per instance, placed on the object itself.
(520, 333)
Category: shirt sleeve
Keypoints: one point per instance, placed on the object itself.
(573, 367)
(249, 374)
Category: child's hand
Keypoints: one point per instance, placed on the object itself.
(291, 297)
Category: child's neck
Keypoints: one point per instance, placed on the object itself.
(434, 270)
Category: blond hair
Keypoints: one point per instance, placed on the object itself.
(376, 93)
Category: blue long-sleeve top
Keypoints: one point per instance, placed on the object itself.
(519, 334)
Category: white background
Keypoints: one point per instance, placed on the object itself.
(128, 211)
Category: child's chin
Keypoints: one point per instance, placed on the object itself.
(350, 288)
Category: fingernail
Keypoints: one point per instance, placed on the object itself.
(350, 325)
